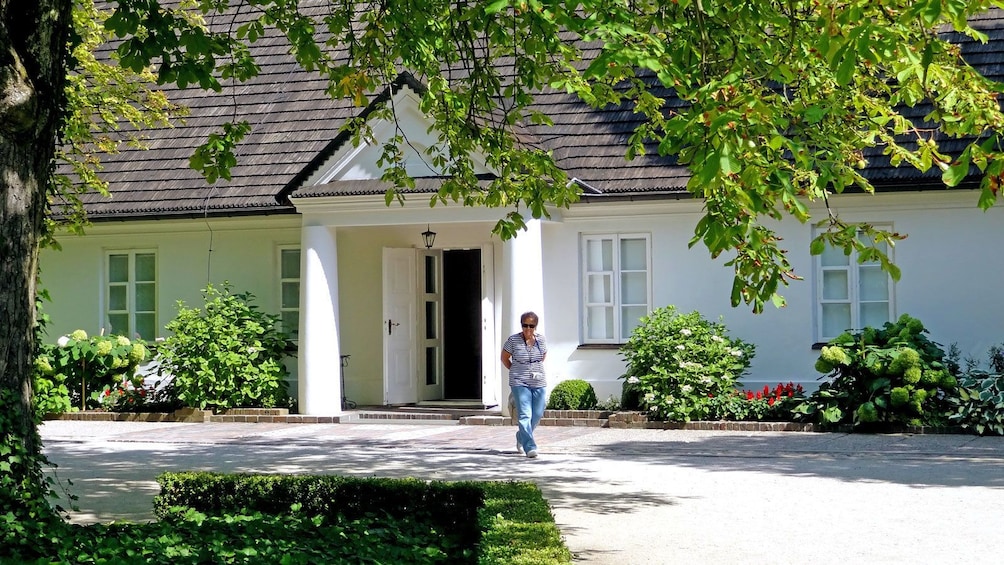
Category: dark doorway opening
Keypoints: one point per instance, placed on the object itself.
(462, 324)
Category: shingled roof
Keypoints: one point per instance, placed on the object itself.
(988, 59)
(295, 127)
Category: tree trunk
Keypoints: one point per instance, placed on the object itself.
(33, 68)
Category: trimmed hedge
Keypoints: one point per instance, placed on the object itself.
(573, 394)
(507, 522)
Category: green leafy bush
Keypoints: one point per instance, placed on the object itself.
(573, 394)
(630, 394)
(979, 405)
(677, 362)
(227, 354)
(882, 377)
(76, 370)
(49, 392)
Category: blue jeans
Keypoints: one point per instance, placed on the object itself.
(530, 403)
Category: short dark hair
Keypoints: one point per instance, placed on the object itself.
(526, 315)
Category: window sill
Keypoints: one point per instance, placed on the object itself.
(600, 346)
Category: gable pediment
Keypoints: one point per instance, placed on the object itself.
(354, 163)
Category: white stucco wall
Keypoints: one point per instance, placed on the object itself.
(190, 253)
(950, 263)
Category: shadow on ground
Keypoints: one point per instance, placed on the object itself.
(116, 479)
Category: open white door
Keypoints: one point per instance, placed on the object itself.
(430, 327)
(400, 378)
(491, 385)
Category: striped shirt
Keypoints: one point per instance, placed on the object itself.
(527, 361)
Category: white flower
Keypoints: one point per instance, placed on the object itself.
(737, 353)
(633, 380)
(686, 389)
(63, 341)
(685, 331)
(717, 338)
(681, 347)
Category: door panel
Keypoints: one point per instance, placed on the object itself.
(399, 325)
(430, 327)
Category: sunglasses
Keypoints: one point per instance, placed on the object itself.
(531, 326)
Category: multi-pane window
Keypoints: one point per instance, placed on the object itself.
(131, 294)
(851, 295)
(616, 283)
(289, 288)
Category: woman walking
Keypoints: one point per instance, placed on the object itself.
(523, 354)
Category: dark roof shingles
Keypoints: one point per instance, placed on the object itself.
(294, 123)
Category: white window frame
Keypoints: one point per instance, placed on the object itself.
(615, 274)
(130, 285)
(283, 280)
(853, 269)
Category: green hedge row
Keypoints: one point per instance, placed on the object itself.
(507, 522)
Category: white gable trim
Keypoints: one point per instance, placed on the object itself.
(350, 162)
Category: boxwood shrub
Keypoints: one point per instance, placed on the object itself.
(573, 394)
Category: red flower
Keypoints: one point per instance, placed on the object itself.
(758, 396)
(749, 395)
(770, 401)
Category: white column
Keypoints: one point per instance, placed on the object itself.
(319, 362)
(522, 258)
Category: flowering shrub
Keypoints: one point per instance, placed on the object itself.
(767, 405)
(226, 354)
(82, 366)
(123, 398)
(678, 362)
(877, 377)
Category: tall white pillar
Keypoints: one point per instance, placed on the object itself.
(523, 257)
(319, 361)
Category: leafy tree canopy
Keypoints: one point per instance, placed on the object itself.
(782, 101)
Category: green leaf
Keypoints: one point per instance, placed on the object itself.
(832, 414)
(815, 114)
(958, 172)
(845, 72)
(496, 6)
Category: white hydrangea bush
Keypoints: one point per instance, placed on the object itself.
(676, 362)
